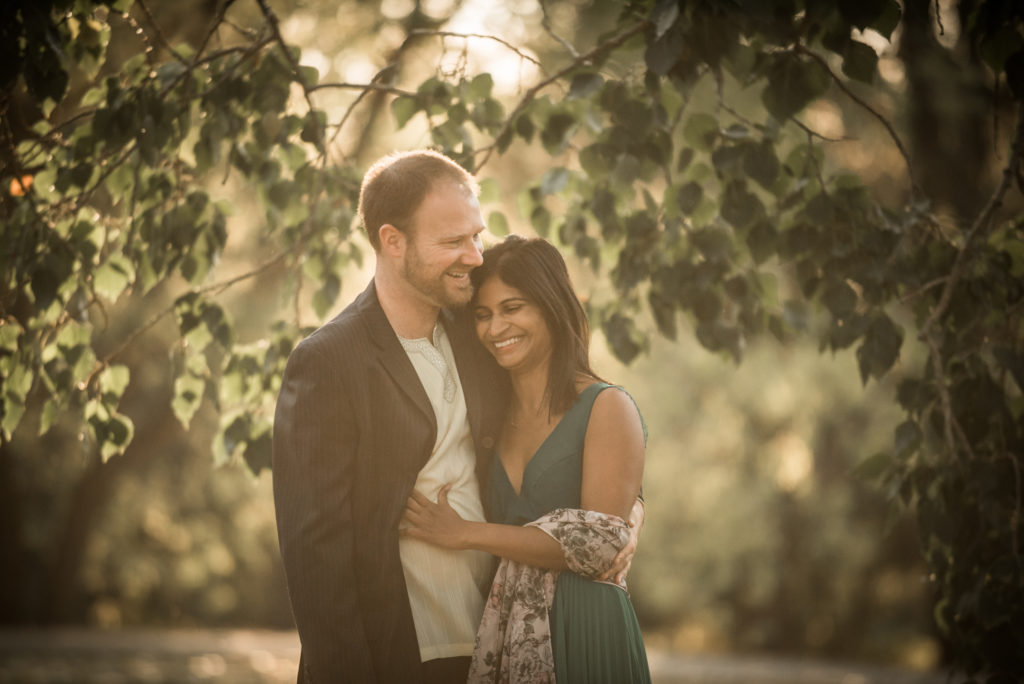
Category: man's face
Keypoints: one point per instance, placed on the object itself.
(443, 245)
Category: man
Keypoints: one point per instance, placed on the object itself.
(389, 395)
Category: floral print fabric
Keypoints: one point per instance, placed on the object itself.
(513, 643)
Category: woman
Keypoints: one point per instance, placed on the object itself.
(566, 473)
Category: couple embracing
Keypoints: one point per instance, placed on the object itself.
(448, 420)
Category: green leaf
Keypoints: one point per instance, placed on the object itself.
(863, 13)
(118, 433)
(688, 197)
(664, 16)
(94, 95)
(740, 207)
(584, 84)
(840, 299)
(761, 164)
(403, 108)
(490, 191)
(621, 335)
(48, 416)
(326, 295)
(557, 131)
(997, 47)
(665, 54)
(880, 349)
(480, 87)
(700, 131)
(792, 84)
(188, 395)
(15, 388)
(113, 381)
(310, 74)
(761, 240)
(554, 181)
(874, 466)
(888, 19)
(860, 61)
(113, 277)
(258, 451)
(10, 331)
(313, 125)
(497, 224)
(540, 219)
(907, 439)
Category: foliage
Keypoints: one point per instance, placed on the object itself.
(680, 165)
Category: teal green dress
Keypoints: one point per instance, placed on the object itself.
(594, 632)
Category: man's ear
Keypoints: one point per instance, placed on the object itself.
(392, 240)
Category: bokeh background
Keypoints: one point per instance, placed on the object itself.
(761, 537)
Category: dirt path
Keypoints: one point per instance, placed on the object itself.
(80, 656)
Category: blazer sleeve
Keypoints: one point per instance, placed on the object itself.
(315, 438)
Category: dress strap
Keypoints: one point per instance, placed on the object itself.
(588, 396)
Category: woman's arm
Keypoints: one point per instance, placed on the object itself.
(439, 524)
(613, 455)
(612, 469)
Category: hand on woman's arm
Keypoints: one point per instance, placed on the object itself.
(439, 524)
(624, 558)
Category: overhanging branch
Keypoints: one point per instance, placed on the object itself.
(981, 224)
(606, 46)
(868, 108)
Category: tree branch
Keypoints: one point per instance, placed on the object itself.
(275, 30)
(871, 110)
(940, 383)
(980, 224)
(610, 44)
(365, 86)
(215, 288)
(416, 33)
(159, 34)
(814, 134)
(546, 25)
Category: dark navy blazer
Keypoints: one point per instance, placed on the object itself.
(352, 429)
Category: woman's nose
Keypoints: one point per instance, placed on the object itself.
(497, 325)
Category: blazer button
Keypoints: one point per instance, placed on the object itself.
(487, 442)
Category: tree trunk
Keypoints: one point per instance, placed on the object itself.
(947, 116)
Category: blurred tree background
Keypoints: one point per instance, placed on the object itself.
(740, 187)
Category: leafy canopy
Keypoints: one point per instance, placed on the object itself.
(680, 166)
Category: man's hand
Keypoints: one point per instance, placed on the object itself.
(624, 558)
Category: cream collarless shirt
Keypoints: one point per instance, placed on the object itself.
(446, 588)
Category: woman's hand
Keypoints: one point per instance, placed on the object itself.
(434, 523)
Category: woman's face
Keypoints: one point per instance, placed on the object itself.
(510, 326)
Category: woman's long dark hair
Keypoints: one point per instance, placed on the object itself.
(538, 271)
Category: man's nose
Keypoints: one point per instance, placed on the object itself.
(473, 256)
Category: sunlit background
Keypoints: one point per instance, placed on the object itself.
(761, 539)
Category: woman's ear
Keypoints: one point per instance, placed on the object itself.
(392, 241)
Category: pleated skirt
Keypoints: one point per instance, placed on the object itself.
(595, 635)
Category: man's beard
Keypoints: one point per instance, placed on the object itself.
(432, 286)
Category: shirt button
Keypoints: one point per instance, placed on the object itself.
(487, 442)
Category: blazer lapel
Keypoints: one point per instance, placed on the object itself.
(391, 354)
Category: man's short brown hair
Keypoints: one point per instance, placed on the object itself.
(395, 186)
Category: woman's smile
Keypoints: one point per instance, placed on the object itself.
(502, 344)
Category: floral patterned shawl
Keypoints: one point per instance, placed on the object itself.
(513, 643)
